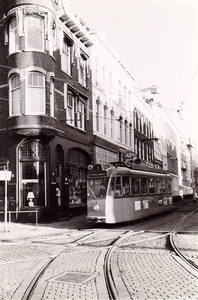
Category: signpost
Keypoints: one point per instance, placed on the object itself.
(5, 175)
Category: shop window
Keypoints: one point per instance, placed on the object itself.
(34, 32)
(15, 95)
(33, 163)
(35, 97)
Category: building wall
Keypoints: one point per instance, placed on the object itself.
(46, 133)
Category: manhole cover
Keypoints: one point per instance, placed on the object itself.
(72, 277)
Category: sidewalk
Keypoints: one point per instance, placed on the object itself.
(17, 231)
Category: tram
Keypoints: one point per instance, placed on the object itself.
(120, 194)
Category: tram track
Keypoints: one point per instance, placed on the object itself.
(118, 241)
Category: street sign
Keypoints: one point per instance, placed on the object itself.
(5, 175)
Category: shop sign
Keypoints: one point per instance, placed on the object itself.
(5, 175)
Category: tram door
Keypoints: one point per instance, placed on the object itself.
(59, 185)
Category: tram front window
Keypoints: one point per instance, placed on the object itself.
(97, 187)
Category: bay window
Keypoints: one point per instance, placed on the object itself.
(35, 96)
(13, 36)
(15, 95)
(34, 32)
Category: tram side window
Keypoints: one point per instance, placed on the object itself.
(126, 186)
(169, 187)
(144, 185)
(164, 188)
(135, 186)
(158, 186)
(151, 185)
(118, 186)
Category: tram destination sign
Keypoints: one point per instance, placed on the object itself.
(97, 174)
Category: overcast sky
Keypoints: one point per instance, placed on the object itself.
(157, 40)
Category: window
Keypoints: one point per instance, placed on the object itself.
(35, 97)
(112, 119)
(33, 177)
(97, 115)
(126, 186)
(81, 115)
(35, 32)
(120, 93)
(151, 186)
(15, 95)
(13, 36)
(103, 78)
(135, 186)
(158, 186)
(105, 120)
(144, 185)
(118, 186)
(121, 128)
(130, 135)
(66, 58)
(75, 111)
(96, 72)
(83, 69)
(70, 110)
(126, 132)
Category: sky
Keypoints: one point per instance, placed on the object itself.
(157, 41)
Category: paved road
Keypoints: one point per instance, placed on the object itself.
(144, 271)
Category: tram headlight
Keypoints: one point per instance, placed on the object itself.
(96, 207)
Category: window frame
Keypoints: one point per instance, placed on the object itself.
(32, 112)
(81, 115)
(13, 36)
(42, 31)
(11, 92)
(83, 66)
(66, 57)
(70, 112)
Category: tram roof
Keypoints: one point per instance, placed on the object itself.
(124, 170)
(136, 170)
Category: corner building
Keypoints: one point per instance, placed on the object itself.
(46, 129)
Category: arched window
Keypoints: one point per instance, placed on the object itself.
(35, 96)
(15, 95)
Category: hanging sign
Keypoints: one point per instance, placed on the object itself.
(5, 175)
